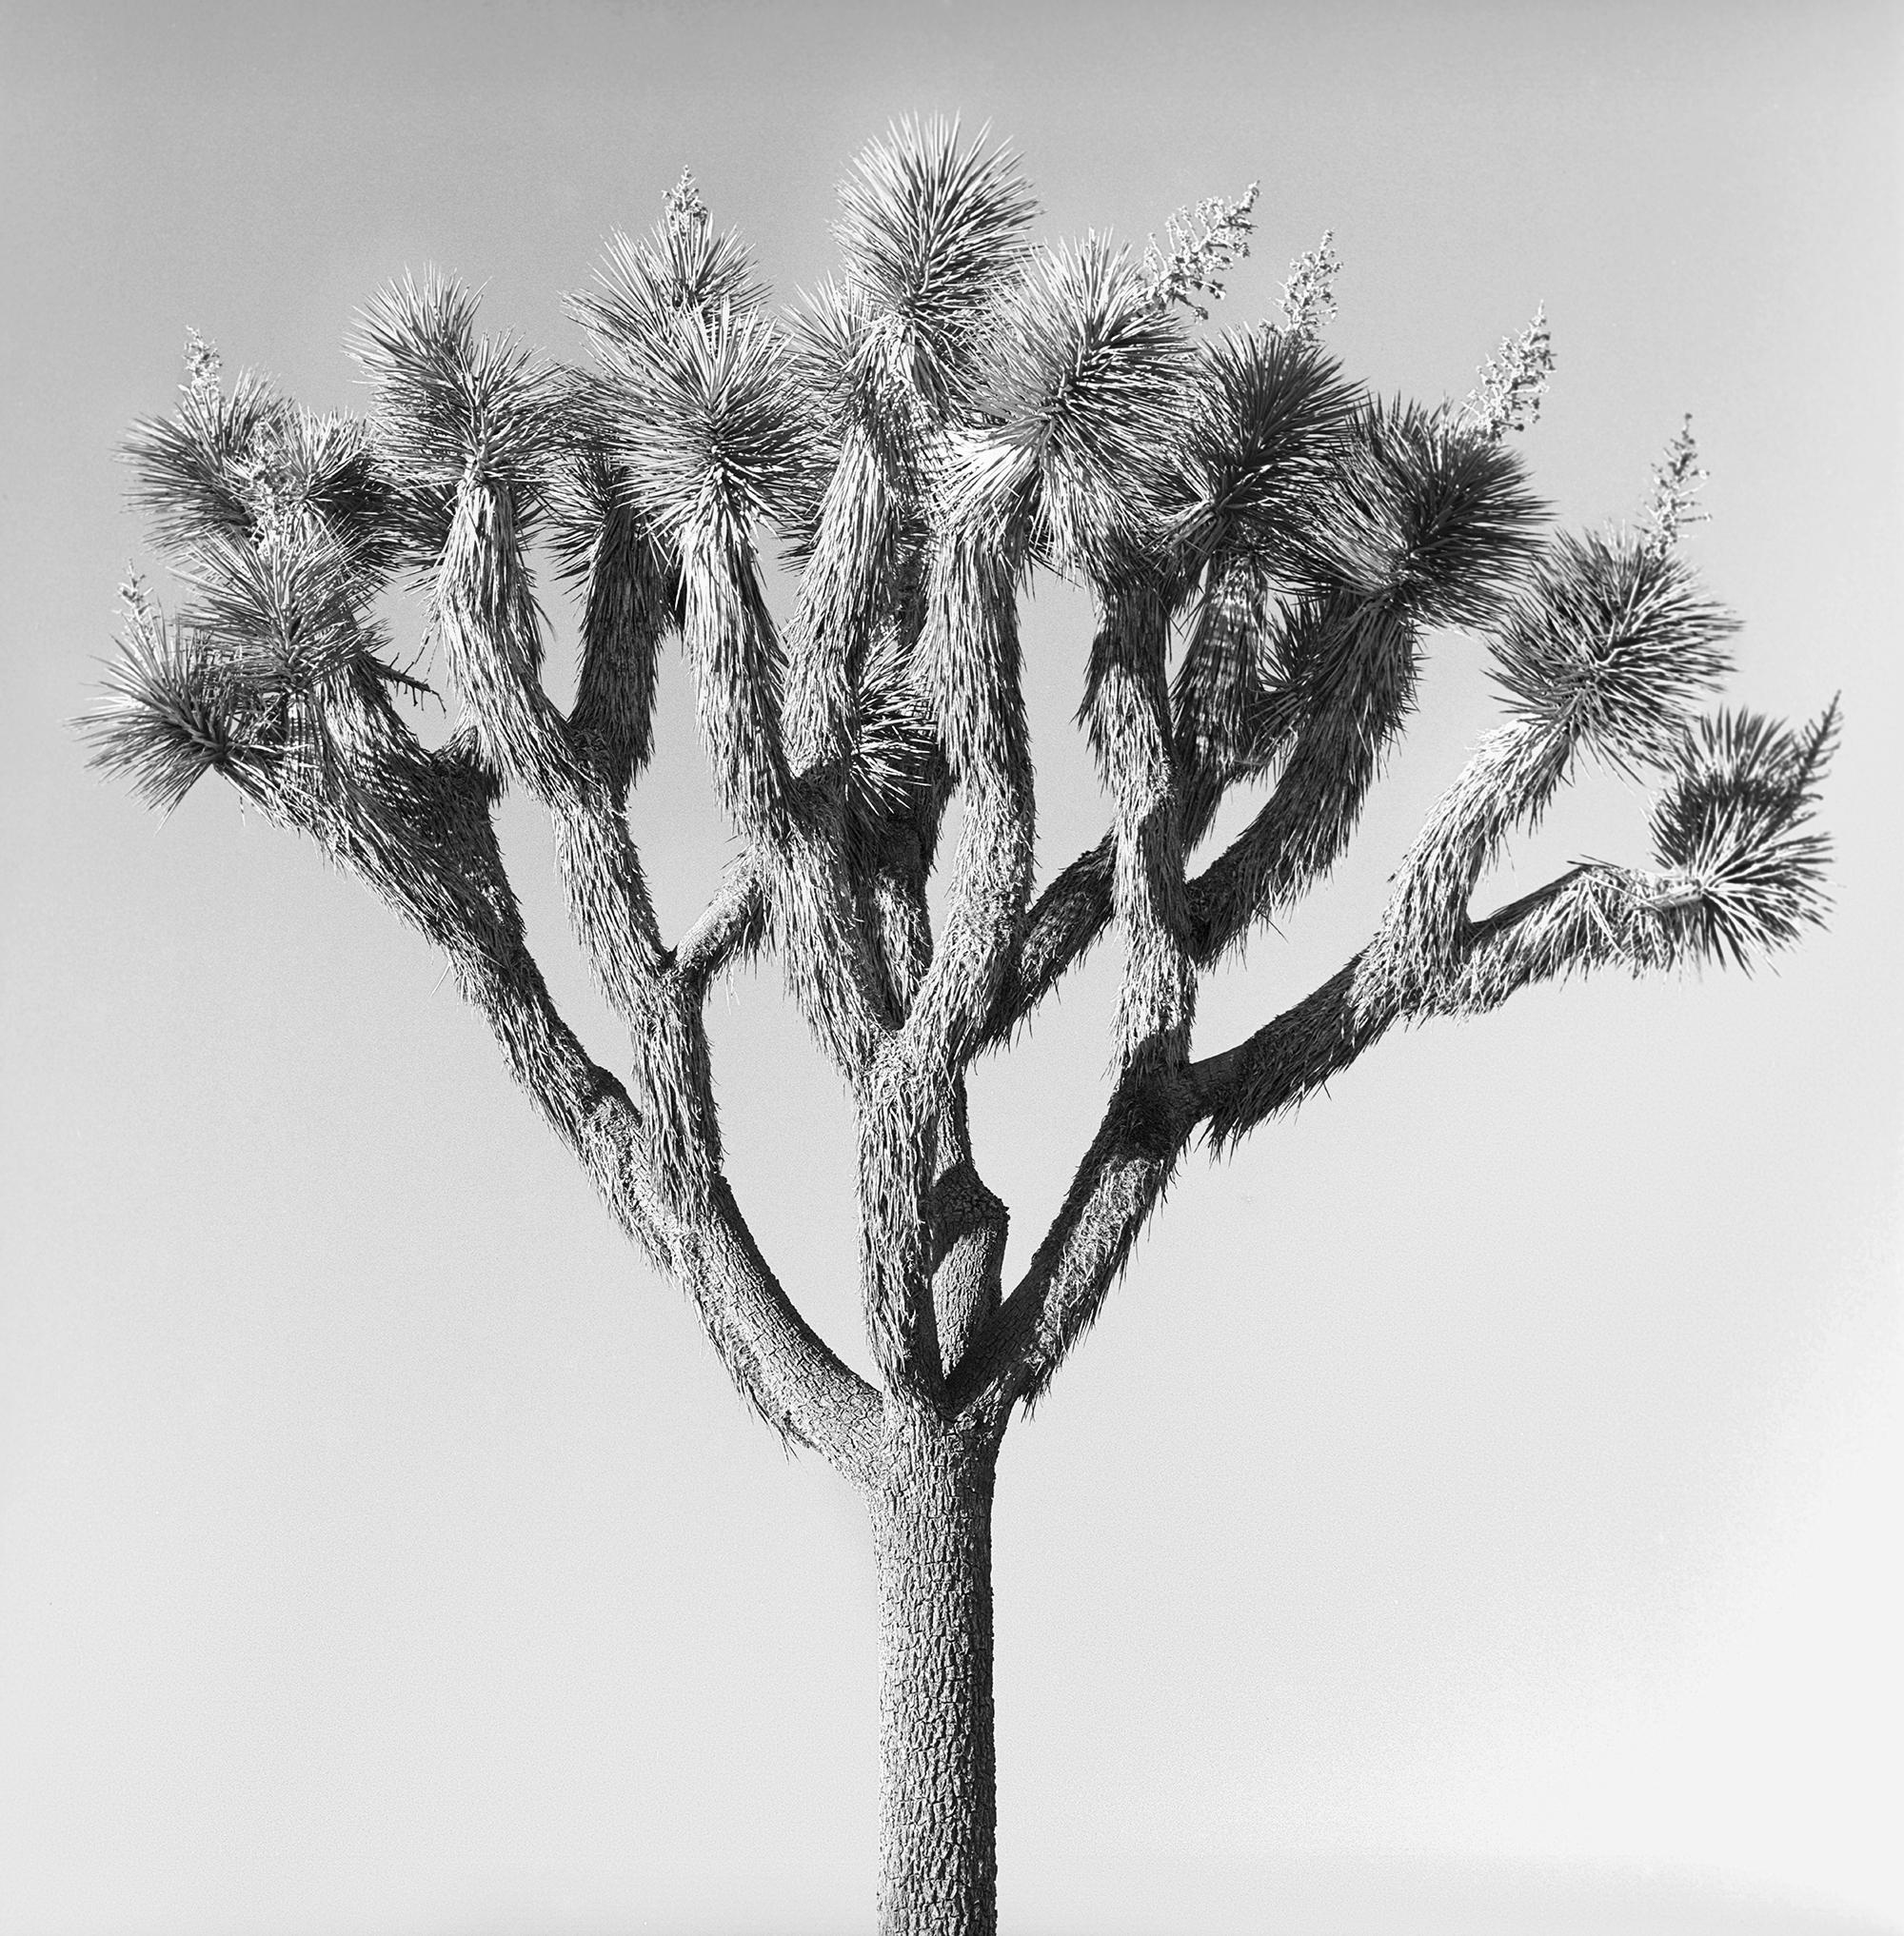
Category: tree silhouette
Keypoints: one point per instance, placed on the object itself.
(1267, 547)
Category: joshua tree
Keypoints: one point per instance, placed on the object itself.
(1266, 545)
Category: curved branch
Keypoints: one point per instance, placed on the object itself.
(1063, 925)
(1288, 1058)
(630, 604)
(1356, 659)
(1124, 1176)
(795, 825)
(969, 1228)
(738, 672)
(417, 828)
(1353, 665)
(487, 613)
(776, 1360)
(1592, 915)
(970, 653)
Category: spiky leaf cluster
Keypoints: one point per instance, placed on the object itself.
(844, 378)
(644, 282)
(280, 525)
(1613, 646)
(1270, 412)
(173, 710)
(453, 407)
(1426, 514)
(252, 466)
(708, 429)
(1088, 384)
(694, 409)
(932, 235)
(1744, 871)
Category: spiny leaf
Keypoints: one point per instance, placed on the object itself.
(253, 465)
(932, 235)
(194, 470)
(893, 745)
(1089, 381)
(1743, 872)
(681, 265)
(452, 406)
(174, 710)
(1425, 512)
(1613, 645)
(708, 429)
(291, 613)
(1270, 407)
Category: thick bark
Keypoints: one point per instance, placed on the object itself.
(932, 1543)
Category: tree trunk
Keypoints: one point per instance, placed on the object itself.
(932, 1543)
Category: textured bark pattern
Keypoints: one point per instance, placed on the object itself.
(969, 1225)
(932, 1541)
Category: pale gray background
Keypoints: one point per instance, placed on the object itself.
(1479, 1511)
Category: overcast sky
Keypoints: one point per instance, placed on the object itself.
(1479, 1509)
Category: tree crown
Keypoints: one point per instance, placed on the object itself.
(1266, 545)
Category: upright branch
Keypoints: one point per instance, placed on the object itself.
(1127, 709)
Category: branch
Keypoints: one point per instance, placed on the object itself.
(1347, 684)
(1124, 1176)
(794, 826)
(1590, 916)
(1742, 874)
(630, 601)
(732, 926)
(971, 651)
(900, 1108)
(472, 432)
(735, 653)
(846, 591)
(1288, 1058)
(1127, 709)
(970, 1229)
(1066, 919)
(1352, 667)
(486, 610)
(969, 654)
(777, 1362)
(1074, 910)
